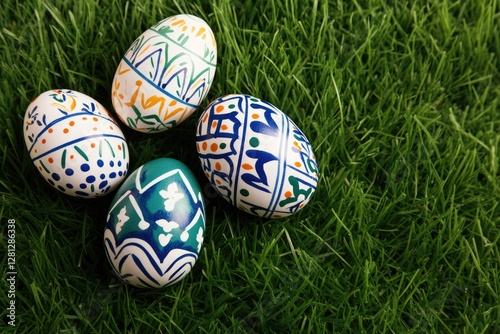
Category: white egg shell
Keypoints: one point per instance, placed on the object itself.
(165, 74)
(155, 225)
(255, 156)
(75, 143)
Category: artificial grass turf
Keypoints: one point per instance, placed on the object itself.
(400, 101)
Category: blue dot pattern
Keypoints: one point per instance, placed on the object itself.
(94, 144)
(87, 188)
(92, 181)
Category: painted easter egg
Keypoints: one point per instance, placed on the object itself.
(255, 156)
(155, 225)
(165, 74)
(75, 143)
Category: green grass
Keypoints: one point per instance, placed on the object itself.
(401, 101)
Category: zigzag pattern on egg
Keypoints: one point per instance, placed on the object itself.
(165, 74)
(155, 225)
(136, 262)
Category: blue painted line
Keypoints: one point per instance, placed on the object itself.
(282, 166)
(310, 176)
(164, 92)
(243, 137)
(74, 142)
(65, 119)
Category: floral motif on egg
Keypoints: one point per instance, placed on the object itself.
(255, 156)
(165, 74)
(75, 144)
(155, 226)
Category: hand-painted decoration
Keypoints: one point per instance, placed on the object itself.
(75, 143)
(165, 74)
(156, 224)
(255, 156)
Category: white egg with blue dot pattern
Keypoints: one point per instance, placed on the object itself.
(75, 143)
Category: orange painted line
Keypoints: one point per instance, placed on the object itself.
(120, 72)
(73, 103)
(170, 69)
(201, 31)
(145, 49)
(180, 22)
(195, 85)
(175, 111)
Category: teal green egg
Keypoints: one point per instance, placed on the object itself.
(155, 225)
